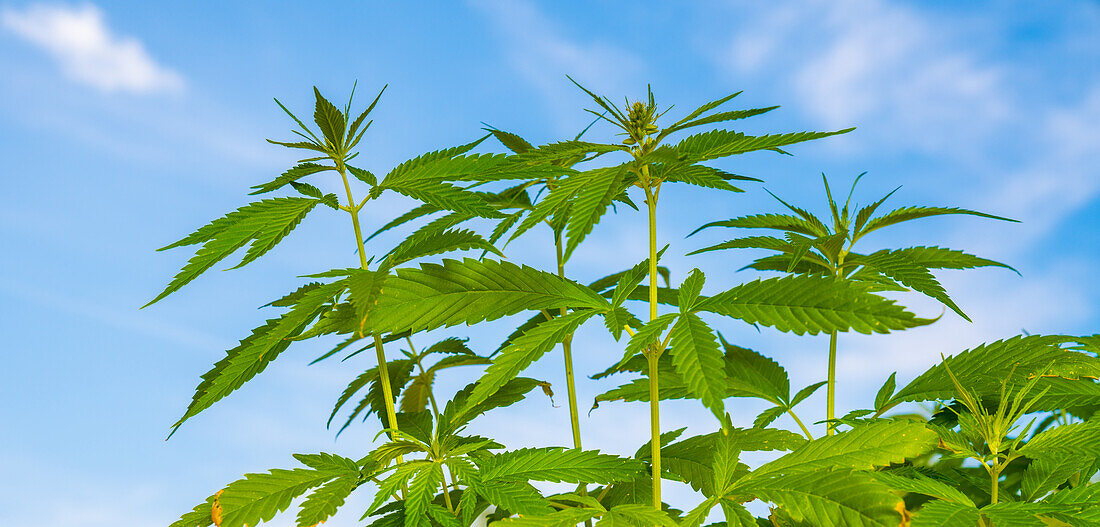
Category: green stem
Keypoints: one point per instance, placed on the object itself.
(447, 491)
(830, 412)
(570, 382)
(994, 476)
(383, 370)
(654, 354)
(567, 351)
(805, 430)
(431, 395)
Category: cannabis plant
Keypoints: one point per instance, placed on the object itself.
(428, 469)
(812, 246)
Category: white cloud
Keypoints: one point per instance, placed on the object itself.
(87, 51)
(541, 54)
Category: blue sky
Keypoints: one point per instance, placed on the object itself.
(125, 125)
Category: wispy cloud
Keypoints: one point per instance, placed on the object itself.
(542, 54)
(88, 51)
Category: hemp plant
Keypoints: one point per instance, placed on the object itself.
(812, 246)
(428, 470)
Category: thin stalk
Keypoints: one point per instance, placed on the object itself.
(654, 354)
(994, 475)
(830, 412)
(567, 351)
(805, 430)
(431, 395)
(383, 370)
(570, 383)
(446, 491)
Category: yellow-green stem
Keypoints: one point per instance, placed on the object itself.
(383, 371)
(446, 491)
(805, 430)
(830, 412)
(654, 354)
(994, 475)
(567, 352)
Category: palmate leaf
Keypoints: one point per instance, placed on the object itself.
(437, 243)
(589, 205)
(942, 258)
(258, 497)
(722, 117)
(831, 497)
(421, 491)
(695, 355)
(458, 412)
(557, 464)
(1047, 473)
(261, 225)
(443, 195)
(750, 242)
(525, 350)
(692, 460)
(256, 351)
(901, 269)
(292, 175)
(862, 448)
(1064, 440)
(781, 222)
(811, 304)
(563, 518)
(471, 291)
(939, 513)
(698, 175)
(911, 213)
(323, 502)
(914, 482)
(984, 368)
(564, 194)
(722, 143)
(409, 169)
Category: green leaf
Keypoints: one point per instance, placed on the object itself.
(417, 212)
(512, 141)
(831, 497)
(722, 143)
(703, 109)
(984, 368)
(197, 517)
(887, 390)
(939, 513)
(323, 502)
(363, 175)
(472, 291)
(517, 497)
(1064, 440)
(811, 304)
(1046, 473)
(330, 120)
(695, 355)
(557, 464)
(421, 491)
(781, 222)
(698, 175)
(917, 483)
(589, 205)
(525, 350)
(459, 412)
(258, 497)
(437, 243)
(910, 274)
(442, 195)
(1020, 514)
(690, 290)
(862, 448)
(263, 224)
(911, 213)
(563, 518)
(941, 258)
(294, 174)
(256, 351)
(636, 515)
(751, 374)
(721, 117)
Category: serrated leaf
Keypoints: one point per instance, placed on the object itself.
(695, 355)
(330, 120)
(438, 243)
(862, 448)
(525, 350)
(781, 222)
(261, 225)
(291, 175)
(1046, 473)
(256, 351)
(258, 497)
(472, 291)
(589, 205)
(917, 483)
(831, 497)
(722, 143)
(811, 304)
(887, 391)
(910, 274)
(556, 464)
(939, 513)
(459, 412)
(323, 502)
(911, 213)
